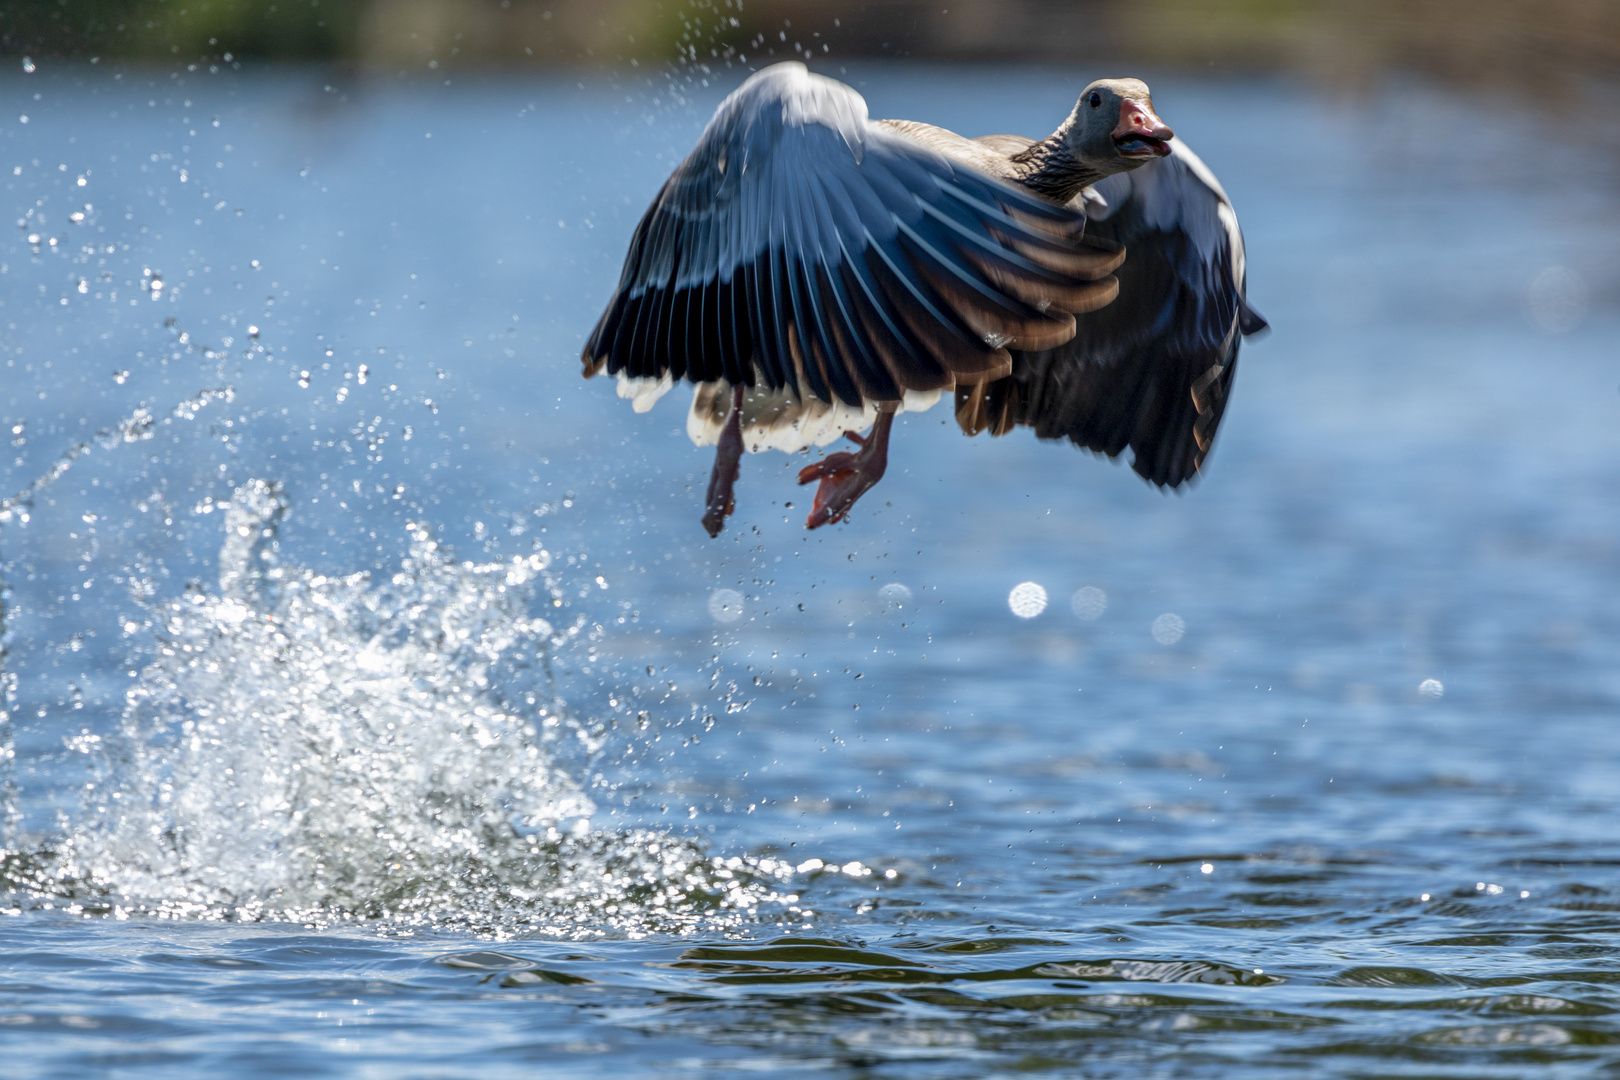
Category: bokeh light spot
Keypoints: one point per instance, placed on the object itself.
(1027, 600)
(1089, 603)
(726, 605)
(1168, 628)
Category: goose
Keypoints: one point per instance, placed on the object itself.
(815, 273)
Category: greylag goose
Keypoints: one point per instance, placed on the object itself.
(814, 272)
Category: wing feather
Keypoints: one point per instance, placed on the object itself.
(803, 246)
(1152, 371)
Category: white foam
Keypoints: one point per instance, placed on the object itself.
(326, 748)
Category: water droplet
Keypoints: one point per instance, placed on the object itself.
(1089, 603)
(1169, 628)
(28, 66)
(1207, 868)
(120, 377)
(726, 605)
(1027, 600)
(1432, 689)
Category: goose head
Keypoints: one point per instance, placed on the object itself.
(1113, 127)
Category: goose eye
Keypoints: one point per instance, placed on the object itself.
(1095, 100)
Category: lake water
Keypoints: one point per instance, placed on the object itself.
(1319, 777)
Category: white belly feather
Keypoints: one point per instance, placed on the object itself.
(781, 420)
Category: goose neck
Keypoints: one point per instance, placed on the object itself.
(1051, 169)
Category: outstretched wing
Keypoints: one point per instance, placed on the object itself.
(803, 246)
(1154, 370)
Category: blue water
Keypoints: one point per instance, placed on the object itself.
(1357, 819)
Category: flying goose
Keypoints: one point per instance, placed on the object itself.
(814, 272)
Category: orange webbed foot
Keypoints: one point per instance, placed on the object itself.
(846, 476)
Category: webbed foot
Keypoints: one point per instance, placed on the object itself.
(846, 476)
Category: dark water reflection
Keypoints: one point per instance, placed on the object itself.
(1071, 848)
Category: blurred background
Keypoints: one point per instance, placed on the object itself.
(1549, 45)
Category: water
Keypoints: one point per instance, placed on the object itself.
(382, 709)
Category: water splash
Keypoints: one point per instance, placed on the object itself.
(10, 798)
(138, 426)
(329, 748)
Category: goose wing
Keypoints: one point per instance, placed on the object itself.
(1153, 370)
(801, 245)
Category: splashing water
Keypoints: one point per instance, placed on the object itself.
(137, 427)
(325, 748)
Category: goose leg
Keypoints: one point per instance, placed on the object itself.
(721, 502)
(844, 476)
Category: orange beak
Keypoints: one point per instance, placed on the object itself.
(1140, 132)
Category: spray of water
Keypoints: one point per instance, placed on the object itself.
(317, 748)
(10, 804)
(138, 426)
(329, 748)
